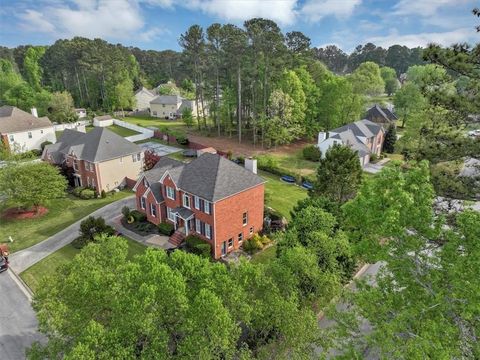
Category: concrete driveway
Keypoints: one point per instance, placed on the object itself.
(23, 259)
(18, 324)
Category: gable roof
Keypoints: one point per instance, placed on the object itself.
(167, 100)
(145, 90)
(98, 145)
(363, 128)
(210, 176)
(13, 120)
(376, 111)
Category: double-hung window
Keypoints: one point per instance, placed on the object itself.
(245, 219)
(143, 203)
(136, 157)
(207, 208)
(11, 138)
(240, 237)
(196, 200)
(153, 210)
(170, 192)
(208, 231)
(230, 242)
(186, 201)
(170, 214)
(29, 135)
(197, 226)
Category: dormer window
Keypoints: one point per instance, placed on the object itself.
(170, 192)
(186, 201)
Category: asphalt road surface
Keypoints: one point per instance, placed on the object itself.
(18, 324)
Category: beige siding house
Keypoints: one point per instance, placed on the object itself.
(100, 159)
(143, 96)
(21, 131)
(171, 106)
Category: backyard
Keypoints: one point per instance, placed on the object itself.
(62, 213)
(281, 196)
(148, 121)
(119, 130)
(50, 264)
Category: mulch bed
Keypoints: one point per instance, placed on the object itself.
(19, 214)
(149, 228)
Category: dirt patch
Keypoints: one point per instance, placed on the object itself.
(19, 214)
(246, 148)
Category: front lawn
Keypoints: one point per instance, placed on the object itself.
(61, 213)
(281, 196)
(50, 264)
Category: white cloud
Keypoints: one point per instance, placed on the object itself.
(423, 39)
(35, 21)
(111, 19)
(424, 8)
(315, 10)
(282, 11)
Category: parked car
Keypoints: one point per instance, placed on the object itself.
(3, 264)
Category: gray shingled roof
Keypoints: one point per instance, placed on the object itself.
(167, 100)
(149, 92)
(156, 189)
(365, 128)
(210, 176)
(184, 213)
(376, 111)
(98, 145)
(13, 120)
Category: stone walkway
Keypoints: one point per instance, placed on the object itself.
(377, 167)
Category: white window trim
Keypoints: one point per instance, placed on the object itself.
(170, 215)
(168, 195)
(245, 222)
(251, 230)
(185, 196)
(208, 231)
(143, 202)
(240, 239)
(228, 243)
(198, 227)
(152, 207)
(205, 207)
(196, 200)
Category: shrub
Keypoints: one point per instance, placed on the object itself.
(138, 216)
(254, 244)
(229, 154)
(87, 194)
(373, 157)
(270, 164)
(241, 159)
(192, 240)
(203, 250)
(198, 246)
(126, 212)
(45, 143)
(91, 227)
(36, 152)
(77, 191)
(181, 139)
(104, 194)
(166, 228)
(312, 153)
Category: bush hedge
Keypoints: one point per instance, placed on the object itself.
(88, 194)
(312, 153)
(198, 246)
(138, 216)
(270, 164)
(166, 228)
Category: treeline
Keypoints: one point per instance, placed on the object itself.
(252, 81)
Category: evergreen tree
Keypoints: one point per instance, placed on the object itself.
(390, 139)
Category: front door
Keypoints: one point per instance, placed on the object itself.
(224, 248)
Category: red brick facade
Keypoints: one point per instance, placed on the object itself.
(225, 218)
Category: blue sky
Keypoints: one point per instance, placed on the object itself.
(157, 24)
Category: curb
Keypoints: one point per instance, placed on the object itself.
(21, 284)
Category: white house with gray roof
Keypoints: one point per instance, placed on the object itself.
(171, 106)
(21, 131)
(363, 136)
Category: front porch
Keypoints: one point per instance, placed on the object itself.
(184, 225)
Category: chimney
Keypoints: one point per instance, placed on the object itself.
(34, 112)
(322, 136)
(251, 164)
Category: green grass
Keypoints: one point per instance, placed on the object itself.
(296, 163)
(147, 121)
(280, 196)
(50, 264)
(62, 213)
(122, 131)
(265, 256)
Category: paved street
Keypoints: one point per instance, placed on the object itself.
(18, 325)
(23, 259)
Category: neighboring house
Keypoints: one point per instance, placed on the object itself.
(100, 159)
(103, 121)
(381, 115)
(81, 113)
(171, 106)
(143, 96)
(211, 197)
(363, 136)
(21, 131)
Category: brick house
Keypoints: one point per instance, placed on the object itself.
(99, 159)
(363, 136)
(211, 197)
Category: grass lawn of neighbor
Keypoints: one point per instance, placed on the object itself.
(61, 213)
(147, 121)
(50, 264)
(296, 163)
(122, 131)
(264, 256)
(281, 196)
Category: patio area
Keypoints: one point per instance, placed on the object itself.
(159, 149)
